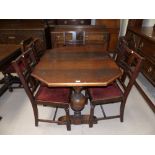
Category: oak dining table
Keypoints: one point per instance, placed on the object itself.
(77, 68)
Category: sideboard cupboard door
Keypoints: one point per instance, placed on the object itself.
(97, 38)
(78, 35)
(57, 39)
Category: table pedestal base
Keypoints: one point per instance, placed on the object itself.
(83, 119)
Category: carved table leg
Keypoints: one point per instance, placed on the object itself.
(78, 101)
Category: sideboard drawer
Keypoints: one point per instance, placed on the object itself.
(10, 37)
(16, 36)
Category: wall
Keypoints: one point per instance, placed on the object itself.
(93, 21)
(123, 26)
(124, 23)
(148, 22)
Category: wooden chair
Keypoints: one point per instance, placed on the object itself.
(30, 43)
(118, 91)
(38, 47)
(25, 44)
(38, 94)
(121, 41)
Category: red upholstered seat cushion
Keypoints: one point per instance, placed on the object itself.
(105, 93)
(53, 95)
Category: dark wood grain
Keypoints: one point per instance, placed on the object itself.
(76, 66)
(6, 50)
(14, 31)
(92, 35)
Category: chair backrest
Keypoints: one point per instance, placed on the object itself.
(24, 65)
(26, 43)
(121, 41)
(38, 47)
(131, 63)
(74, 38)
(30, 58)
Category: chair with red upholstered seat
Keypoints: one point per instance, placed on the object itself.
(121, 41)
(38, 46)
(41, 95)
(25, 43)
(118, 91)
(35, 44)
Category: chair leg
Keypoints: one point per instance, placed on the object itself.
(91, 116)
(10, 89)
(68, 122)
(35, 111)
(122, 107)
(86, 95)
(8, 81)
(36, 119)
(36, 122)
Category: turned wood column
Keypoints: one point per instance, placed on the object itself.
(78, 101)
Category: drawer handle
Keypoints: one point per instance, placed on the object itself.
(11, 37)
(149, 70)
(58, 37)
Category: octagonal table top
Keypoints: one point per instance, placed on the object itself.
(76, 66)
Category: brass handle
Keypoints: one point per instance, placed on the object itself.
(149, 70)
(58, 37)
(11, 37)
